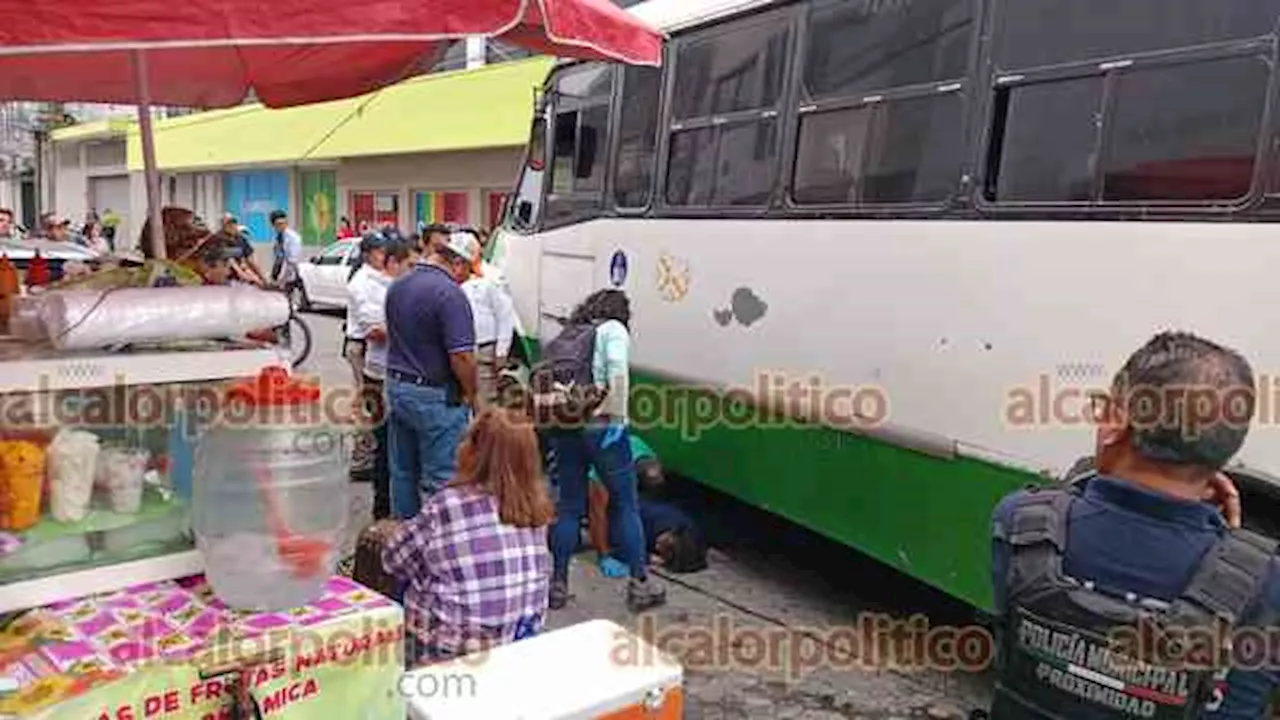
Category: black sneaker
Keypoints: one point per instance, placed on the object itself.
(558, 597)
(645, 594)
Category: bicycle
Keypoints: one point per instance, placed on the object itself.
(295, 334)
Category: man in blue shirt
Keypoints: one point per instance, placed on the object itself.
(431, 371)
(1143, 536)
(286, 250)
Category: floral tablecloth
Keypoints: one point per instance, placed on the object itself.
(138, 653)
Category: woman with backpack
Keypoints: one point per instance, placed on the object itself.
(596, 343)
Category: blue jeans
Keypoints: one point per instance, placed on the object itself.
(575, 451)
(422, 443)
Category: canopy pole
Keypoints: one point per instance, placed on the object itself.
(149, 169)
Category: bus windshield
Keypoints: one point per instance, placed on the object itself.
(526, 207)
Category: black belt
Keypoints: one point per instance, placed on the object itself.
(356, 341)
(414, 379)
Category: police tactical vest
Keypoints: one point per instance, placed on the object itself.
(1073, 651)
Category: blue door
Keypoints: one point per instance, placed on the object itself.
(253, 195)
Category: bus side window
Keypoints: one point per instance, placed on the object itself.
(563, 153)
(637, 136)
(1153, 142)
(883, 98)
(725, 107)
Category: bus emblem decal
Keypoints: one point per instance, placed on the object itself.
(618, 269)
(673, 278)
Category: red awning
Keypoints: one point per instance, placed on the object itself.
(211, 53)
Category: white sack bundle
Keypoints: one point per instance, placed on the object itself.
(89, 319)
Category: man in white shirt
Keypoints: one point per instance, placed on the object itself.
(368, 308)
(495, 321)
(355, 341)
(372, 260)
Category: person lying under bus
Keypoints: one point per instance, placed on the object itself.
(674, 541)
(475, 559)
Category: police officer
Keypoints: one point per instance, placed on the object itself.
(1117, 597)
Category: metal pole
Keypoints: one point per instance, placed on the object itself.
(37, 136)
(149, 169)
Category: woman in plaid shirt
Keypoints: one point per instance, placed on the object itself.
(475, 558)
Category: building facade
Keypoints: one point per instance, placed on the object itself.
(443, 147)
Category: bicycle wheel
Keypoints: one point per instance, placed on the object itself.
(298, 338)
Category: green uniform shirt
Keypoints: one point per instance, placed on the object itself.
(639, 449)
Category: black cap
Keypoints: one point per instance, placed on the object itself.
(218, 252)
(372, 241)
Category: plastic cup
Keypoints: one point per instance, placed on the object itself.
(72, 458)
(120, 473)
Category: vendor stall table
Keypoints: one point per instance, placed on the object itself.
(143, 398)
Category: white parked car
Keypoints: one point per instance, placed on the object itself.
(324, 277)
(20, 251)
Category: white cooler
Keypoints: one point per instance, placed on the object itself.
(596, 669)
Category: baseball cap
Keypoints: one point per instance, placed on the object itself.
(463, 244)
(217, 252)
(372, 241)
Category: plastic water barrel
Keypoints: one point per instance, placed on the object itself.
(270, 495)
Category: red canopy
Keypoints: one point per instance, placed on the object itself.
(210, 53)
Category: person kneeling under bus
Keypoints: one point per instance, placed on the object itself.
(674, 541)
(459, 599)
(1136, 546)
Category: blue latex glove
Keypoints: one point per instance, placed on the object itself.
(612, 568)
(611, 436)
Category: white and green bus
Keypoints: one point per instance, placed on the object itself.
(957, 215)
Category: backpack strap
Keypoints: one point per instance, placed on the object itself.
(1037, 537)
(1230, 577)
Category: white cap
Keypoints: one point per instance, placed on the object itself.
(463, 244)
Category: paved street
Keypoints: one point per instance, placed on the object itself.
(772, 598)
